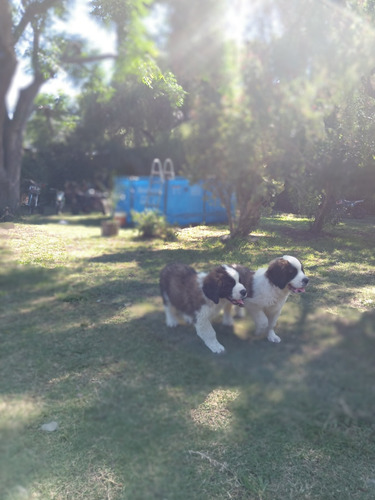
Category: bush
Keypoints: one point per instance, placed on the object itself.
(151, 224)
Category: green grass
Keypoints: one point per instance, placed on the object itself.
(146, 412)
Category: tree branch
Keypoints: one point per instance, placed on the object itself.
(35, 51)
(25, 102)
(33, 10)
(86, 59)
(8, 61)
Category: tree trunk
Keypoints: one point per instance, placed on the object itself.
(10, 167)
(323, 212)
(249, 217)
(11, 133)
(225, 197)
(249, 198)
(9, 184)
(12, 128)
(11, 148)
(10, 188)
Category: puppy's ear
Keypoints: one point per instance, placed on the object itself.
(277, 273)
(211, 288)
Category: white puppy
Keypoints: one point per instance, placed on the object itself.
(267, 291)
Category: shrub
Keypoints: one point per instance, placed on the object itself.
(151, 224)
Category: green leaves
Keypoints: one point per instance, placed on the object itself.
(163, 84)
(151, 224)
(270, 120)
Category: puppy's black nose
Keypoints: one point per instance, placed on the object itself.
(305, 281)
(243, 293)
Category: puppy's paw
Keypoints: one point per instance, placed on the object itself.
(227, 320)
(272, 337)
(187, 319)
(171, 322)
(216, 348)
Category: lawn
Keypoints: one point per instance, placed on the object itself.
(147, 412)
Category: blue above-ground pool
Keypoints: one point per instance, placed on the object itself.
(182, 203)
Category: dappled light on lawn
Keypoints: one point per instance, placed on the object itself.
(214, 412)
(132, 407)
(18, 411)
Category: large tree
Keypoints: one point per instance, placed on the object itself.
(241, 151)
(27, 32)
(263, 121)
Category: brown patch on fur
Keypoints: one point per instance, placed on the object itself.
(173, 278)
(246, 278)
(218, 284)
(280, 272)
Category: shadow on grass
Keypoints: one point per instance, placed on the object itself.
(148, 412)
(310, 415)
(321, 289)
(154, 260)
(135, 403)
(86, 220)
(120, 384)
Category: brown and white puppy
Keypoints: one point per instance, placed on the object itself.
(198, 297)
(267, 291)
